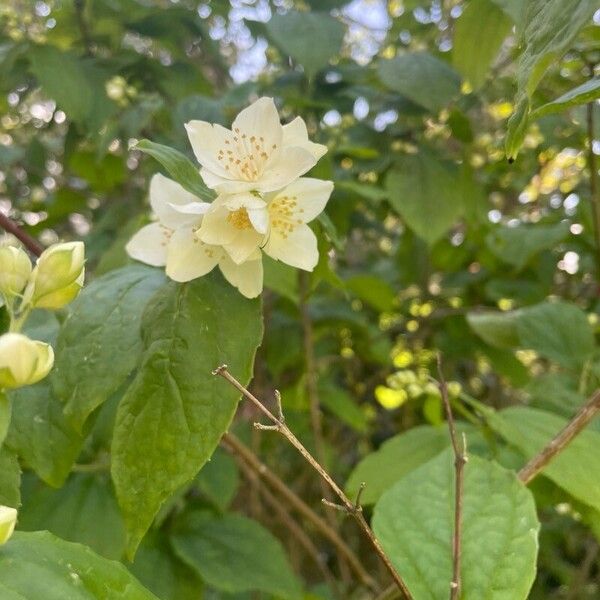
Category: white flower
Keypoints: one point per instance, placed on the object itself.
(15, 269)
(257, 154)
(23, 361)
(174, 243)
(8, 520)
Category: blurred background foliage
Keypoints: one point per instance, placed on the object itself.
(428, 226)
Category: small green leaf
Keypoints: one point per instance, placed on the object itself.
(478, 36)
(10, 478)
(498, 329)
(582, 94)
(40, 565)
(171, 418)
(373, 290)
(291, 31)
(84, 510)
(100, 343)
(426, 193)
(179, 167)
(235, 554)
(557, 330)
(219, 479)
(422, 78)
(414, 523)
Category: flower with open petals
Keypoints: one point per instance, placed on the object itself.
(173, 241)
(257, 154)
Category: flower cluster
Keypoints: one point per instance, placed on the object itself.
(54, 281)
(263, 203)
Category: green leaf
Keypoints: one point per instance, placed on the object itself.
(582, 94)
(576, 469)
(5, 412)
(550, 26)
(558, 331)
(422, 78)
(179, 167)
(518, 245)
(10, 478)
(41, 434)
(425, 191)
(339, 402)
(235, 554)
(396, 457)
(373, 290)
(219, 479)
(100, 343)
(171, 418)
(40, 565)
(414, 523)
(84, 510)
(498, 329)
(291, 31)
(478, 36)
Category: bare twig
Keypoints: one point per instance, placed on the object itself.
(460, 460)
(243, 453)
(11, 227)
(282, 428)
(312, 390)
(562, 439)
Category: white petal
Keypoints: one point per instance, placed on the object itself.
(149, 245)
(298, 249)
(293, 162)
(261, 120)
(247, 278)
(189, 258)
(215, 228)
(206, 140)
(296, 134)
(245, 243)
(311, 196)
(246, 200)
(259, 217)
(165, 194)
(192, 208)
(223, 185)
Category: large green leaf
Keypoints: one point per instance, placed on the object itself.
(41, 434)
(100, 344)
(426, 193)
(498, 329)
(10, 478)
(292, 30)
(235, 554)
(557, 330)
(478, 36)
(219, 479)
(179, 167)
(5, 412)
(576, 469)
(414, 522)
(518, 245)
(582, 94)
(84, 510)
(397, 457)
(422, 78)
(171, 418)
(39, 565)
(550, 26)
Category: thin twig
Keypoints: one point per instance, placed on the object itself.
(11, 227)
(562, 439)
(594, 198)
(460, 460)
(312, 390)
(243, 453)
(282, 428)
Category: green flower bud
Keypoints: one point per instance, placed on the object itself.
(58, 276)
(23, 361)
(15, 268)
(8, 520)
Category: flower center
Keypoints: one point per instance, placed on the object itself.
(245, 156)
(239, 219)
(283, 212)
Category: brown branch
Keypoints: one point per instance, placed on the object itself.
(280, 426)
(562, 439)
(243, 453)
(316, 421)
(11, 227)
(460, 460)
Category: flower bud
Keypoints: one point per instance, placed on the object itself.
(15, 268)
(58, 276)
(23, 361)
(8, 520)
